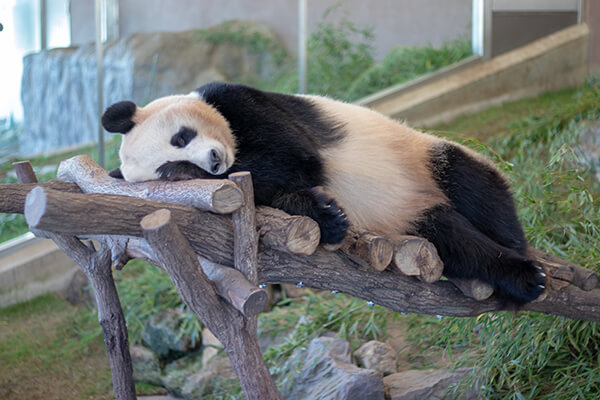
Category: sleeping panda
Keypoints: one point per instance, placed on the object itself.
(340, 164)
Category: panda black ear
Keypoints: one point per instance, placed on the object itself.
(118, 117)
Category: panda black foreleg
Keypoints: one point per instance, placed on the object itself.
(468, 253)
(318, 205)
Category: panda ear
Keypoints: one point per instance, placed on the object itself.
(118, 117)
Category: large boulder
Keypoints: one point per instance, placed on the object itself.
(327, 373)
(146, 366)
(162, 333)
(426, 385)
(59, 88)
(378, 356)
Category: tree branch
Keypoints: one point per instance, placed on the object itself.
(210, 235)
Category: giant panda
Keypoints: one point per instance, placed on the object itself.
(340, 164)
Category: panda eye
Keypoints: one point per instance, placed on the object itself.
(183, 137)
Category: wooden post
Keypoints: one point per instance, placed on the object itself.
(227, 324)
(245, 239)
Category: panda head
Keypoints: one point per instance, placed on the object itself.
(181, 128)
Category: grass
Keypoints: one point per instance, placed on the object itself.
(530, 355)
(45, 353)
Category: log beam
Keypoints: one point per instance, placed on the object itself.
(220, 196)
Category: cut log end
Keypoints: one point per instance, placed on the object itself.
(156, 220)
(416, 256)
(35, 206)
(303, 236)
(474, 288)
(377, 250)
(255, 303)
(24, 171)
(227, 199)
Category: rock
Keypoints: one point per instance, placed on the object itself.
(425, 385)
(79, 290)
(210, 346)
(162, 334)
(145, 365)
(59, 86)
(378, 356)
(326, 373)
(216, 376)
(177, 372)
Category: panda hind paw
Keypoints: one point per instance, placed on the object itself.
(528, 283)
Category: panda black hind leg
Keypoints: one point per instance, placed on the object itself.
(467, 253)
(478, 235)
(318, 205)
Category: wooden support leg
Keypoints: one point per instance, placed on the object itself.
(229, 326)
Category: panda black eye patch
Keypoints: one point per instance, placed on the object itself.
(183, 137)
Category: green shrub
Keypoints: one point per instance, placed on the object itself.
(403, 64)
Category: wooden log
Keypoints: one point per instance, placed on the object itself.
(240, 343)
(415, 256)
(235, 288)
(369, 248)
(231, 285)
(473, 288)
(564, 273)
(94, 214)
(24, 172)
(216, 195)
(212, 238)
(295, 234)
(278, 229)
(245, 238)
(377, 250)
(12, 195)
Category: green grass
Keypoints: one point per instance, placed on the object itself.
(49, 349)
(530, 355)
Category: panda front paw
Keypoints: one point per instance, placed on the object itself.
(181, 171)
(331, 218)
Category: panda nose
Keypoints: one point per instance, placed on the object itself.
(215, 161)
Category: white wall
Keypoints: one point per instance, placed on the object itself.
(396, 22)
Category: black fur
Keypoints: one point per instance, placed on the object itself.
(183, 137)
(116, 173)
(278, 138)
(118, 117)
(478, 235)
(182, 170)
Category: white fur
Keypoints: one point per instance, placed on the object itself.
(379, 172)
(147, 146)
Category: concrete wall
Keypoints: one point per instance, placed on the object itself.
(554, 62)
(396, 22)
(591, 16)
